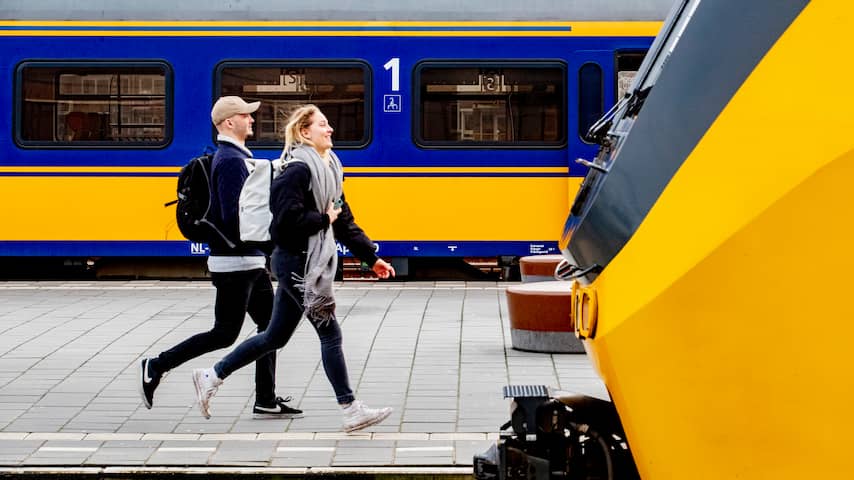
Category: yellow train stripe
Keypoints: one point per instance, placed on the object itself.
(361, 170)
(342, 33)
(285, 23)
(457, 170)
(327, 29)
(615, 29)
(90, 169)
(131, 208)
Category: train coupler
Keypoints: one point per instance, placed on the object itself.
(552, 435)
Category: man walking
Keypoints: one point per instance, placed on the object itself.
(239, 273)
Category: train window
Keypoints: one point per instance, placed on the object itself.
(628, 64)
(501, 104)
(90, 104)
(340, 89)
(591, 100)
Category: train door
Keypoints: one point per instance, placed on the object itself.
(599, 79)
(590, 95)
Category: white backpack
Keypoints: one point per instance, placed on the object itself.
(255, 215)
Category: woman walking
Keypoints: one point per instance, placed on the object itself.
(309, 214)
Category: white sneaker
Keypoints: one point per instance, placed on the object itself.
(358, 416)
(206, 383)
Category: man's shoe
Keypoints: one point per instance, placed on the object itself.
(358, 416)
(149, 379)
(206, 383)
(278, 409)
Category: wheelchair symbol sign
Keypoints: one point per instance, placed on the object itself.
(391, 103)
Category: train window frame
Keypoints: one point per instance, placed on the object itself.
(490, 64)
(81, 64)
(367, 75)
(582, 132)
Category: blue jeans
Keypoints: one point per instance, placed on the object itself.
(237, 293)
(287, 312)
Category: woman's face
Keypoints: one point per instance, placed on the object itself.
(319, 132)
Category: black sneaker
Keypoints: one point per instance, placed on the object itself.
(149, 379)
(278, 409)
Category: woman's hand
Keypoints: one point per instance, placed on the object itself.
(383, 269)
(333, 212)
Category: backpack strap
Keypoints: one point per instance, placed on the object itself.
(281, 163)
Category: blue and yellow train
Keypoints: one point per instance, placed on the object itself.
(459, 127)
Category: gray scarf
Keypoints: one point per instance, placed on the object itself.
(322, 255)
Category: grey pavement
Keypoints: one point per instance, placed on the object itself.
(438, 352)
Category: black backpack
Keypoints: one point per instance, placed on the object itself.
(194, 202)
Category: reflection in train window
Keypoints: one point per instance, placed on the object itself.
(497, 104)
(628, 63)
(93, 104)
(339, 89)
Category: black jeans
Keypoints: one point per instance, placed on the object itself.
(237, 293)
(287, 312)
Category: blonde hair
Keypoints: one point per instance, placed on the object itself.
(299, 119)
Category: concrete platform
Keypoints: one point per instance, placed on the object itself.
(438, 352)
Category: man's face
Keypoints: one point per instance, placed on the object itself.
(241, 125)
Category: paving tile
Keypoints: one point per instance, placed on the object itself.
(113, 436)
(55, 436)
(170, 436)
(179, 458)
(288, 436)
(131, 444)
(236, 452)
(461, 436)
(464, 451)
(11, 459)
(362, 456)
(302, 461)
(401, 436)
(19, 447)
(136, 456)
(421, 460)
(55, 460)
(432, 415)
(228, 436)
(427, 427)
